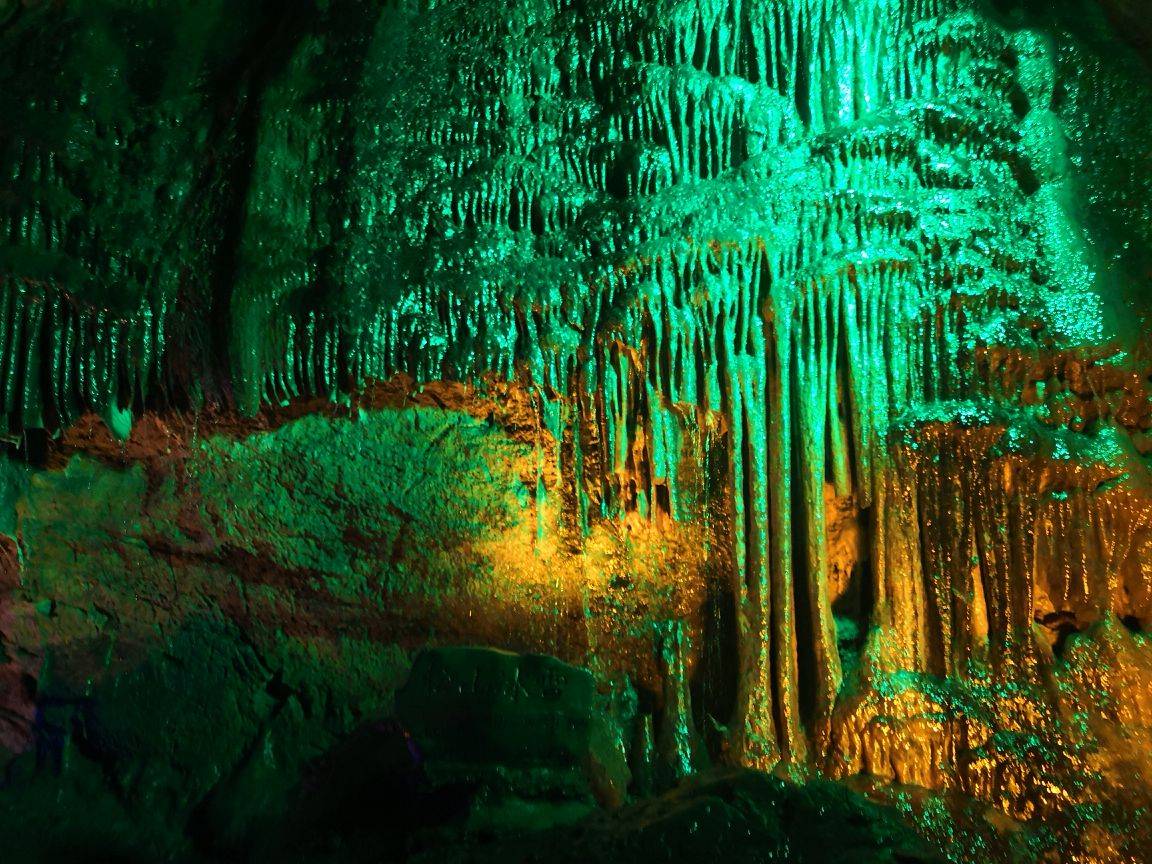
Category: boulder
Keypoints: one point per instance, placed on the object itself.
(524, 724)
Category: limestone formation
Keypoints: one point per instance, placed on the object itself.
(784, 363)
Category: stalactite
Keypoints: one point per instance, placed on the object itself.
(819, 230)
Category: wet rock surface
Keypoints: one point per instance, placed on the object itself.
(778, 368)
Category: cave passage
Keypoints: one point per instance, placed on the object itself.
(440, 430)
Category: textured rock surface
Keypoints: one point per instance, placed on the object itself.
(525, 724)
(782, 362)
(734, 815)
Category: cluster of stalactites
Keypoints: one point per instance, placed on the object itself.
(978, 541)
(718, 85)
(59, 358)
(820, 190)
(986, 528)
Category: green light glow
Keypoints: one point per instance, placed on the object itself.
(754, 262)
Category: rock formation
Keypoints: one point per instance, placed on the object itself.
(781, 362)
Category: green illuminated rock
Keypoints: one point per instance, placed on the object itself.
(782, 362)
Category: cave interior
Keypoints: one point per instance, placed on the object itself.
(576, 430)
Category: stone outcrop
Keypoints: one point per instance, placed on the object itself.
(782, 363)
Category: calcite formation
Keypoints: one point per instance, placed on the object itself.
(782, 362)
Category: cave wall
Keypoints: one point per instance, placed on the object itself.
(784, 363)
